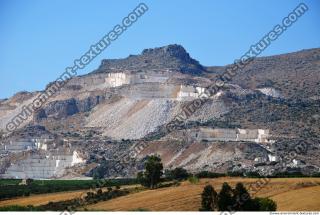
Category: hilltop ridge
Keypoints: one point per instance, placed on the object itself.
(171, 57)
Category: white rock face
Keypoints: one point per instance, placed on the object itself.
(251, 135)
(132, 119)
(42, 166)
(23, 145)
(140, 113)
(189, 92)
(76, 159)
(33, 158)
(116, 79)
(272, 158)
(269, 91)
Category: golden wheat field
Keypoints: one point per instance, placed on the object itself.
(42, 199)
(291, 194)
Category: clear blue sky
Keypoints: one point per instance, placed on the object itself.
(38, 39)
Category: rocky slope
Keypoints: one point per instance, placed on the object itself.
(294, 75)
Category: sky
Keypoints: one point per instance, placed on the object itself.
(39, 39)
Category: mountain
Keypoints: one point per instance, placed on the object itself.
(294, 75)
(123, 108)
(171, 57)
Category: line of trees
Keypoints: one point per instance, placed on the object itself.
(228, 199)
(237, 199)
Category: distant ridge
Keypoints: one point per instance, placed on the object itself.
(173, 57)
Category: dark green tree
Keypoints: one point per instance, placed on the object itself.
(226, 201)
(177, 174)
(29, 181)
(141, 179)
(100, 171)
(99, 192)
(265, 204)
(242, 199)
(209, 199)
(152, 173)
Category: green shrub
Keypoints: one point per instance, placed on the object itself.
(193, 179)
(177, 174)
(207, 174)
(266, 204)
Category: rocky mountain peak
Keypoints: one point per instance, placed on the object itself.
(174, 50)
(173, 57)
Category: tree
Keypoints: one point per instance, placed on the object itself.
(242, 199)
(99, 192)
(152, 173)
(100, 171)
(141, 179)
(209, 199)
(193, 179)
(238, 199)
(177, 173)
(265, 204)
(226, 201)
(29, 181)
(89, 196)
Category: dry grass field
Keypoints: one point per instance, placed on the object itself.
(289, 193)
(306, 199)
(42, 199)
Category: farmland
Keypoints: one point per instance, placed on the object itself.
(10, 188)
(291, 194)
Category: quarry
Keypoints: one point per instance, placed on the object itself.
(36, 158)
(218, 134)
(249, 124)
(25, 145)
(119, 78)
(148, 85)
